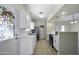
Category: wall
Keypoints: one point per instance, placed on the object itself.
(41, 33)
(8, 47)
(50, 28)
(65, 24)
(75, 28)
(56, 26)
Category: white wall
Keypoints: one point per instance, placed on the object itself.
(66, 25)
(75, 28)
(8, 47)
(50, 28)
(42, 33)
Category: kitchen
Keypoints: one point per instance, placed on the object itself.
(31, 22)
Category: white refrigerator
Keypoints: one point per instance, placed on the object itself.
(66, 43)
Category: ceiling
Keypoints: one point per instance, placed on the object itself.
(51, 12)
(69, 9)
(44, 10)
(18, 7)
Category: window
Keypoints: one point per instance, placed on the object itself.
(6, 24)
(62, 28)
(6, 29)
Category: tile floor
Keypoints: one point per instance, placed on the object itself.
(43, 48)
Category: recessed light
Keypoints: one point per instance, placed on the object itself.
(71, 22)
(75, 21)
(41, 16)
(63, 13)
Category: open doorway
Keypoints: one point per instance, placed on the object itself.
(8, 32)
(40, 27)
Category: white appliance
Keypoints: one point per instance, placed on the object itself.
(66, 43)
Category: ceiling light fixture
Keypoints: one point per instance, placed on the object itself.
(71, 22)
(75, 21)
(63, 13)
(41, 14)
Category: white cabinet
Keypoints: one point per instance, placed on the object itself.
(56, 42)
(33, 42)
(66, 43)
(24, 20)
(27, 45)
(28, 21)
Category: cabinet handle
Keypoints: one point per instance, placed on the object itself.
(16, 38)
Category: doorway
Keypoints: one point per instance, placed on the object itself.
(8, 32)
(42, 32)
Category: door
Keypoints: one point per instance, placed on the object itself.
(42, 32)
(9, 35)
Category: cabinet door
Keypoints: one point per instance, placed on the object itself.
(56, 42)
(25, 46)
(28, 21)
(22, 20)
(34, 41)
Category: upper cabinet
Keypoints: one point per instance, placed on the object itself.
(24, 20)
(28, 21)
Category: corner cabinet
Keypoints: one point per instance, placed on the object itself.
(24, 20)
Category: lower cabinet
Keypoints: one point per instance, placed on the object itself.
(27, 45)
(56, 42)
